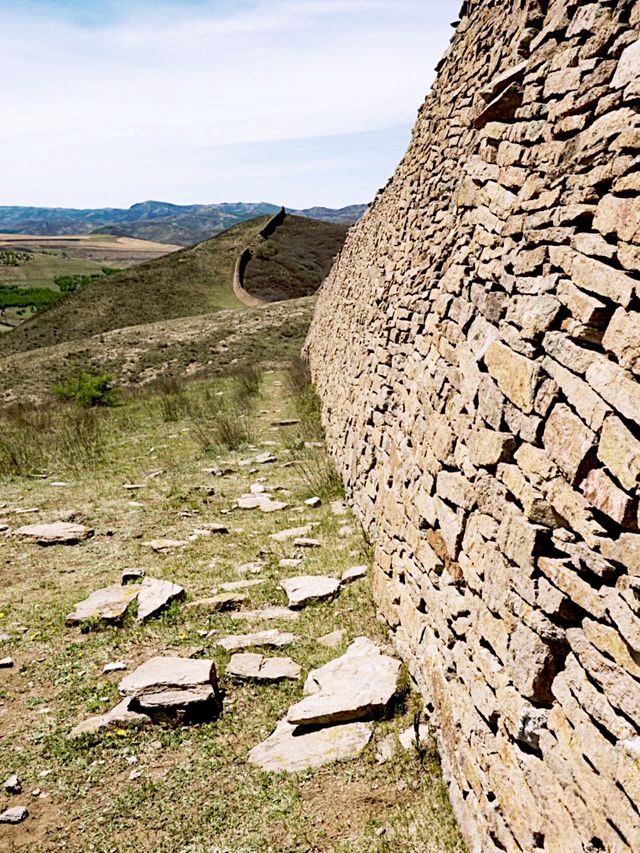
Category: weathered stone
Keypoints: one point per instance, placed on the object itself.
(620, 217)
(6, 663)
(154, 595)
(593, 275)
(617, 387)
(628, 70)
(488, 447)
(58, 533)
(622, 336)
(358, 685)
(290, 750)
(12, 785)
(353, 574)
(233, 586)
(307, 588)
(332, 640)
(303, 542)
(171, 683)
(110, 604)
(120, 717)
(221, 601)
(568, 441)
(266, 639)
(410, 739)
(15, 814)
(116, 666)
(162, 545)
(517, 377)
(602, 492)
(266, 458)
(266, 613)
(292, 533)
(261, 668)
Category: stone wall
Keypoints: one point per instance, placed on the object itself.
(241, 293)
(477, 351)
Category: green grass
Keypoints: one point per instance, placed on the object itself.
(185, 283)
(295, 260)
(196, 791)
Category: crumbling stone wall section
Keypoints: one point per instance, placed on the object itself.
(477, 351)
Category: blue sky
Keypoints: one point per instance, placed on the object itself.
(299, 102)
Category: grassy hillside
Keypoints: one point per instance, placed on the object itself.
(206, 346)
(295, 260)
(185, 283)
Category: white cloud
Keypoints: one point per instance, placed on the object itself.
(91, 110)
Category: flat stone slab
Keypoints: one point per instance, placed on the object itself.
(171, 683)
(154, 595)
(304, 542)
(290, 563)
(6, 663)
(291, 533)
(355, 686)
(332, 640)
(353, 574)
(266, 613)
(290, 749)
(16, 814)
(120, 717)
(273, 506)
(266, 639)
(266, 458)
(250, 568)
(221, 601)
(58, 533)
(306, 588)
(232, 586)
(161, 545)
(255, 666)
(13, 785)
(110, 604)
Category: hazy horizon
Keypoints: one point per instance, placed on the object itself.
(296, 102)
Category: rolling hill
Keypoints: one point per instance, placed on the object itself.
(156, 221)
(178, 314)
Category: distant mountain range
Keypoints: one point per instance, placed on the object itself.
(158, 221)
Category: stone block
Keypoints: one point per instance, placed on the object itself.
(568, 441)
(516, 376)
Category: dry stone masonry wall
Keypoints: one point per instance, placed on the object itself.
(477, 351)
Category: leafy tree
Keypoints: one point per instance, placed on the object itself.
(91, 389)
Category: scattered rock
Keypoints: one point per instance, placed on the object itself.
(250, 568)
(59, 484)
(333, 639)
(306, 588)
(290, 564)
(154, 595)
(273, 639)
(302, 542)
(171, 683)
(132, 487)
(6, 663)
(234, 585)
(58, 533)
(266, 613)
(408, 737)
(386, 749)
(273, 506)
(252, 665)
(4, 638)
(338, 508)
(283, 535)
(131, 576)
(221, 601)
(313, 502)
(110, 604)
(214, 527)
(251, 501)
(289, 749)
(286, 422)
(357, 685)
(119, 717)
(346, 530)
(16, 814)
(13, 785)
(258, 489)
(4, 528)
(353, 574)
(266, 458)
(117, 666)
(161, 545)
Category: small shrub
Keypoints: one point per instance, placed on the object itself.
(318, 472)
(90, 390)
